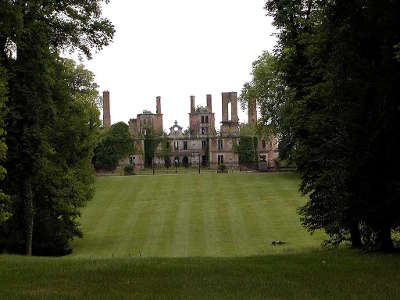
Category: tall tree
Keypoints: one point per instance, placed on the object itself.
(115, 144)
(62, 178)
(270, 92)
(31, 35)
(4, 200)
(338, 62)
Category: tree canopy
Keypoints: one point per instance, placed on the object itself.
(115, 144)
(337, 61)
(4, 200)
(51, 119)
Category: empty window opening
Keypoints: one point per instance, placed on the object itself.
(204, 160)
(203, 145)
(220, 144)
(220, 159)
(176, 145)
(185, 145)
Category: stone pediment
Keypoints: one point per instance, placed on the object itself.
(176, 130)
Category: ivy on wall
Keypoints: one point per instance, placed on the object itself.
(247, 149)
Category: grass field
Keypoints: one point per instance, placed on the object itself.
(199, 237)
(191, 216)
(309, 275)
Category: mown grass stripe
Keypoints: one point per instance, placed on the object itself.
(193, 215)
(212, 243)
(181, 230)
(223, 221)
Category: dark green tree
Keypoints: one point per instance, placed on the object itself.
(62, 179)
(247, 149)
(337, 60)
(115, 144)
(151, 142)
(31, 34)
(4, 200)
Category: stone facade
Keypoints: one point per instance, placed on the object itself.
(200, 144)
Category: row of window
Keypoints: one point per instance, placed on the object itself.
(204, 119)
(204, 145)
(176, 145)
(185, 145)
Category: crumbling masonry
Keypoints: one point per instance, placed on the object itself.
(201, 143)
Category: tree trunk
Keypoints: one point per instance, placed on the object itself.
(28, 203)
(385, 242)
(355, 236)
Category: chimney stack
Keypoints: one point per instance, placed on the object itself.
(158, 105)
(106, 110)
(252, 110)
(192, 104)
(229, 98)
(234, 108)
(209, 103)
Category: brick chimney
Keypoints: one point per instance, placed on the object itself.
(234, 108)
(225, 103)
(106, 110)
(158, 107)
(209, 103)
(192, 104)
(229, 98)
(252, 110)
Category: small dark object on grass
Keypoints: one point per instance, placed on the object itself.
(278, 243)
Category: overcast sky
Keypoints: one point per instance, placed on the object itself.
(178, 48)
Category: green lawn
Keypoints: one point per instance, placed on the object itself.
(309, 275)
(191, 216)
(199, 237)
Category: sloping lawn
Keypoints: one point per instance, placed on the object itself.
(191, 215)
(199, 237)
(312, 275)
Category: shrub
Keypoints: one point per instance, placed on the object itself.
(222, 168)
(129, 170)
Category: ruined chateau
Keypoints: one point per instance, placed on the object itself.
(200, 143)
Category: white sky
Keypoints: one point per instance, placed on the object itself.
(179, 48)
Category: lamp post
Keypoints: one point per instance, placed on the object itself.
(199, 162)
(194, 155)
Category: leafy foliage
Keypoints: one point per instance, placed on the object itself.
(247, 149)
(337, 60)
(61, 176)
(268, 89)
(222, 168)
(51, 119)
(4, 200)
(271, 94)
(129, 170)
(115, 144)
